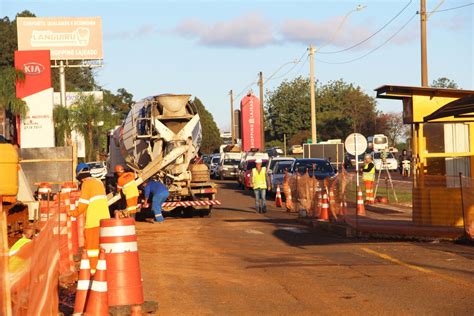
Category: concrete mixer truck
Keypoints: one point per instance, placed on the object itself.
(159, 139)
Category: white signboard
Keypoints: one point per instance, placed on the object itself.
(71, 98)
(37, 129)
(356, 144)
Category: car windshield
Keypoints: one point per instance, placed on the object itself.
(279, 151)
(231, 161)
(377, 155)
(251, 164)
(215, 160)
(380, 140)
(95, 165)
(319, 165)
(274, 162)
(282, 166)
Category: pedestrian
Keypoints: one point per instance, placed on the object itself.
(26, 238)
(159, 193)
(259, 184)
(92, 203)
(126, 183)
(403, 158)
(368, 176)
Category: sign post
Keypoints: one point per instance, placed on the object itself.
(356, 144)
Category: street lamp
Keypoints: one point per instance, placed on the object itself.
(311, 71)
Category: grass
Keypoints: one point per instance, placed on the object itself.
(404, 193)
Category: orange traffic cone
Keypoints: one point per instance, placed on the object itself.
(97, 302)
(341, 216)
(83, 284)
(278, 202)
(360, 204)
(324, 215)
(289, 201)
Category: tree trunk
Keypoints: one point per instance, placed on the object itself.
(91, 143)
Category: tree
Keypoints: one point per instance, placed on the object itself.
(63, 125)
(341, 108)
(8, 99)
(87, 116)
(444, 82)
(119, 103)
(394, 127)
(211, 137)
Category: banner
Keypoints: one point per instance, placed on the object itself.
(35, 64)
(68, 38)
(250, 126)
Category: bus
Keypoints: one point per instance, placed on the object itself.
(378, 142)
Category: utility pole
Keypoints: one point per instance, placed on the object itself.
(62, 83)
(312, 96)
(424, 57)
(232, 116)
(262, 120)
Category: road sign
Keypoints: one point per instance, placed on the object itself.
(356, 144)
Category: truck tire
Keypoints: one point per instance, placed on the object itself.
(199, 173)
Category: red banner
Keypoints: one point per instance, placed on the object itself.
(37, 68)
(250, 124)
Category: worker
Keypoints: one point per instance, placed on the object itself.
(159, 194)
(26, 238)
(126, 183)
(92, 202)
(368, 176)
(259, 184)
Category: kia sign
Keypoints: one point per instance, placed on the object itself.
(250, 123)
(67, 38)
(35, 65)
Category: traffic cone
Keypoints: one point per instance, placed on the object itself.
(289, 201)
(97, 302)
(320, 201)
(278, 202)
(360, 204)
(324, 215)
(83, 284)
(341, 216)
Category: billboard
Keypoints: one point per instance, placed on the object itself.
(71, 98)
(250, 123)
(36, 66)
(68, 38)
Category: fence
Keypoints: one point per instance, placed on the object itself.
(30, 276)
(431, 206)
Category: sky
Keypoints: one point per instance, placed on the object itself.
(207, 48)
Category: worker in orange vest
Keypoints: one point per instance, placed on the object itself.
(92, 202)
(126, 183)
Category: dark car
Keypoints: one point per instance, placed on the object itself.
(322, 168)
(245, 175)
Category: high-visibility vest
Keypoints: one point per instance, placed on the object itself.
(368, 175)
(93, 201)
(126, 182)
(259, 179)
(16, 246)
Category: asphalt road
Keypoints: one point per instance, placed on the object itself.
(238, 262)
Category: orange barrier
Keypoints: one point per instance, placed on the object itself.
(97, 302)
(324, 216)
(118, 239)
(83, 285)
(360, 204)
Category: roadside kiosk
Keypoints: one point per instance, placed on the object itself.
(442, 129)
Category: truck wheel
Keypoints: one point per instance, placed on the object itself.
(205, 213)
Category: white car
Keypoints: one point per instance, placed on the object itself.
(296, 149)
(390, 161)
(98, 169)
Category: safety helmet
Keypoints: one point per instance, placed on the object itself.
(82, 167)
(119, 169)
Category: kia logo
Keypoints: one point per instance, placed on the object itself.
(33, 69)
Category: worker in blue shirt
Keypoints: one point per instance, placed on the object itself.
(159, 195)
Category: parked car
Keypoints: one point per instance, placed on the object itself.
(390, 161)
(296, 149)
(213, 165)
(245, 173)
(98, 169)
(272, 162)
(275, 152)
(322, 168)
(278, 173)
(228, 168)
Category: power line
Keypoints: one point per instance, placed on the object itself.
(301, 67)
(368, 38)
(290, 70)
(373, 50)
(245, 89)
(454, 8)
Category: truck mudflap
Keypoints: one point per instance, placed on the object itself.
(190, 203)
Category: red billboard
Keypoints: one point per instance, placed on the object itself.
(250, 123)
(37, 68)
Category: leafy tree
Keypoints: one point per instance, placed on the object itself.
(444, 82)
(8, 99)
(119, 103)
(341, 108)
(394, 128)
(211, 138)
(63, 125)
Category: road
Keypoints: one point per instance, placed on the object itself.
(238, 262)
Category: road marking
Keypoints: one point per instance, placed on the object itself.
(417, 268)
(253, 231)
(295, 230)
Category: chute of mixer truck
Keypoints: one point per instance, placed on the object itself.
(159, 139)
